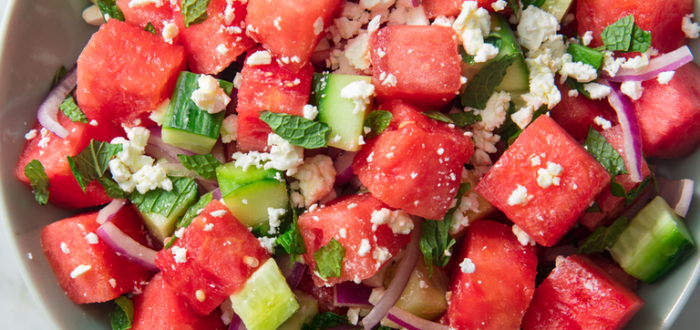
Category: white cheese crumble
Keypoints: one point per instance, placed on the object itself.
(597, 90)
(218, 213)
(343, 232)
(45, 138)
(573, 93)
(535, 161)
(499, 5)
(633, 89)
(80, 271)
(229, 129)
(92, 238)
(535, 26)
(665, 77)
(376, 295)
(581, 72)
(318, 25)
(93, 123)
(131, 169)
(602, 122)
(390, 80)
(364, 247)
(64, 248)
(237, 80)
(398, 220)
(158, 115)
(471, 26)
(467, 266)
(180, 254)
(316, 178)
(283, 156)
(268, 243)
(222, 49)
(353, 315)
(30, 135)
(274, 217)
(357, 52)
(611, 64)
(261, 57)
(208, 227)
(140, 3)
(170, 31)
(690, 28)
(373, 25)
(209, 95)
(382, 255)
(587, 38)
(519, 196)
(550, 175)
(359, 92)
(113, 283)
(310, 112)
(523, 237)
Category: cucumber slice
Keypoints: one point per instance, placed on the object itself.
(265, 302)
(249, 193)
(336, 111)
(186, 125)
(517, 78)
(308, 308)
(558, 8)
(653, 242)
(160, 209)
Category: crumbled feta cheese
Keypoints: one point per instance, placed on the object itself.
(170, 31)
(113, 283)
(310, 112)
(382, 255)
(222, 49)
(229, 129)
(218, 213)
(274, 216)
(200, 295)
(444, 21)
(376, 295)
(45, 138)
(208, 227)
(544, 178)
(535, 26)
(180, 254)
(522, 117)
(140, 3)
(92, 238)
(467, 266)
(149, 178)
(581, 72)
(440, 151)
(535, 161)
(665, 77)
(283, 156)
(268, 243)
(499, 5)
(357, 52)
(276, 23)
(602, 122)
(597, 90)
(30, 135)
(359, 92)
(633, 89)
(209, 95)
(523, 237)
(398, 220)
(373, 25)
(316, 178)
(237, 80)
(519, 196)
(343, 232)
(587, 38)
(229, 14)
(573, 93)
(365, 247)
(360, 140)
(611, 64)
(158, 115)
(690, 28)
(261, 57)
(494, 115)
(472, 25)
(64, 248)
(318, 25)
(353, 315)
(389, 81)
(80, 271)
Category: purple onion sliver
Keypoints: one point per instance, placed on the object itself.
(48, 110)
(409, 321)
(666, 62)
(155, 140)
(350, 294)
(127, 247)
(678, 194)
(343, 168)
(107, 213)
(216, 194)
(236, 323)
(416, 3)
(295, 276)
(208, 185)
(630, 128)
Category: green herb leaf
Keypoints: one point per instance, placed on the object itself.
(329, 259)
(291, 240)
(194, 210)
(111, 187)
(93, 161)
(603, 237)
(164, 202)
(604, 153)
(618, 36)
(641, 40)
(618, 190)
(326, 321)
(204, 165)
(463, 119)
(586, 55)
(149, 27)
(536, 3)
(480, 88)
(435, 237)
(377, 121)
(297, 130)
(123, 316)
(494, 39)
(510, 131)
(194, 11)
(574, 84)
(437, 115)
(34, 171)
(595, 208)
(109, 9)
(60, 73)
(514, 6)
(71, 110)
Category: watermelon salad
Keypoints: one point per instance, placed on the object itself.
(347, 164)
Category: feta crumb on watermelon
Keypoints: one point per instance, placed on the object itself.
(633, 89)
(579, 71)
(64, 248)
(690, 28)
(519, 196)
(92, 238)
(472, 25)
(30, 135)
(602, 122)
(390, 80)
(180, 254)
(467, 266)
(268, 243)
(597, 90)
(140, 3)
(365, 247)
(499, 5)
(382, 255)
(587, 38)
(261, 57)
(316, 178)
(80, 271)
(665, 77)
(170, 31)
(398, 221)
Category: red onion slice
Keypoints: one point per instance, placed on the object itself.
(678, 194)
(343, 168)
(292, 274)
(666, 62)
(411, 322)
(415, 3)
(172, 151)
(630, 128)
(216, 194)
(48, 110)
(398, 284)
(350, 294)
(108, 212)
(236, 323)
(127, 247)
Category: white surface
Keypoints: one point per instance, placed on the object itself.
(18, 310)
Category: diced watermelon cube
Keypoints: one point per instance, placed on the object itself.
(323, 294)
(544, 150)
(216, 256)
(615, 271)
(268, 87)
(291, 29)
(65, 191)
(435, 8)
(159, 307)
(147, 13)
(650, 15)
(424, 61)
(496, 293)
(669, 115)
(348, 220)
(66, 246)
(124, 73)
(577, 294)
(577, 114)
(204, 42)
(415, 164)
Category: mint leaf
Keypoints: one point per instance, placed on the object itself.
(93, 161)
(514, 6)
(595, 208)
(111, 187)
(494, 39)
(480, 88)
(604, 153)
(618, 190)
(463, 119)
(377, 121)
(618, 36)
(60, 73)
(437, 115)
(194, 11)
(536, 3)
(574, 84)
(586, 55)
(510, 131)
(329, 259)
(297, 130)
(149, 27)
(164, 202)
(326, 321)
(194, 210)
(603, 237)
(641, 40)
(292, 241)
(109, 9)
(435, 237)
(38, 180)
(71, 110)
(123, 316)
(204, 165)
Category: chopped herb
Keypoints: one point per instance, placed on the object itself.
(329, 259)
(641, 40)
(123, 316)
(586, 55)
(204, 165)
(194, 210)
(93, 161)
(110, 10)
(377, 121)
(149, 27)
(536, 3)
(514, 6)
(603, 237)
(291, 240)
(595, 208)
(34, 171)
(463, 119)
(481, 87)
(164, 202)
(604, 153)
(439, 116)
(494, 39)
(111, 187)
(619, 191)
(574, 84)
(510, 131)
(626, 36)
(71, 110)
(298, 130)
(326, 321)
(194, 11)
(60, 73)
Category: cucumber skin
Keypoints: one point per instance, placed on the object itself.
(231, 177)
(517, 78)
(259, 196)
(648, 259)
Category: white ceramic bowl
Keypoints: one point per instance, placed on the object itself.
(40, 35)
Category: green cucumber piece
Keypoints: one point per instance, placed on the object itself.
(653, 242)
(308, 308)
(231, 177)
(265, 302)
(160, 209)
(336, 111)
(558, 8)
(517, 78)
(186, 125)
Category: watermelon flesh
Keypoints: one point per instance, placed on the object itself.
(148, 13)
(435, 8)
(577, 114)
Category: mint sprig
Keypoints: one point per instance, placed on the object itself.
(122, 317)
(38, 180)
(109, 8)
(204, 165)
(93, 161)
(460, 119)
(164, 202)
(194, 11)
(377, 121)
(574, 84)
(60, 73)
(72, 111)
(626, 36)
(111, 187)
(494, 39)
(297, 130)
(484, 83)
(536, 3)
(604, 153)
(603, 237)
(329, 259)
(291, 240)
(586, 55)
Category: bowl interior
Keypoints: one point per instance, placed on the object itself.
(40, 35)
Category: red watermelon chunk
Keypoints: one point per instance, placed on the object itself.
(650, 15)
(546, 214)
(352, 216)
(323, 294)
(203, 41)
(148, 13)
(415, 164)
(669, 115)
(423, 59)
(268, 87)
(496, 294)
(110, 276)
(65, 191)
(220, 254)
(580, 295)
(159, 307)
(124, 73)
(577, 114)
(435, 8)
(291, 29)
